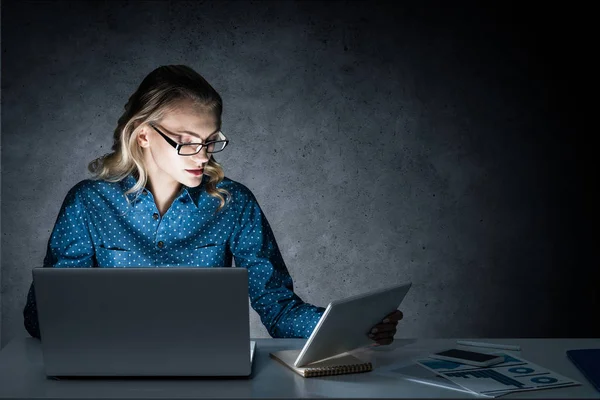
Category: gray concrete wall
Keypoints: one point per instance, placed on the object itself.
(422, 143)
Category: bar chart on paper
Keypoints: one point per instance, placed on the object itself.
(512, 375)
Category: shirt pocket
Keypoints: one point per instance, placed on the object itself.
(115, 257)
(211, 255)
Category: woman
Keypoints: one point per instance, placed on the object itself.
(160, 199)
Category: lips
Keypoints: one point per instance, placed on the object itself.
(195, 172)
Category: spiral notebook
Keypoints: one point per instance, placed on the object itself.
(338, 365)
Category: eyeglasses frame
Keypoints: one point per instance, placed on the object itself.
(178, 146)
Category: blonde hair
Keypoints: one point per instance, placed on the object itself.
(160, 92)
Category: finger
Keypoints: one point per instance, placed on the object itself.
(384, 342)
(385, 325)
(393, 316)
(383, 328)
(382, 335)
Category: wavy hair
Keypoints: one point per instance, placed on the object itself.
(159, 93)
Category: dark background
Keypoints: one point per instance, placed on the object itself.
(445, 143)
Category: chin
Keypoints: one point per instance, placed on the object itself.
(193, 181)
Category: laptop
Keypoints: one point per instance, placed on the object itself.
(109, 322)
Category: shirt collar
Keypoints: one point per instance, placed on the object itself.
(127, 183)
(195, 192)
(192, 192)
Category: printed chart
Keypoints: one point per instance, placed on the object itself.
(512, 375)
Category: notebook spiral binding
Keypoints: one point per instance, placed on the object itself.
(339, 370)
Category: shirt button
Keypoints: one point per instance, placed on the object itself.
(155, 216)
(161, 244)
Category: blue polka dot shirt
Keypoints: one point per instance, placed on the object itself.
(96, 227)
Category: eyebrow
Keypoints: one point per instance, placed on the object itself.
(173, 132)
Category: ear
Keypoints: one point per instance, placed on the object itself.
(142, 137)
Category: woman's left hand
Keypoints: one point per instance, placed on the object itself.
(383, 333)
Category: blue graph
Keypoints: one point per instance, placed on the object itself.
(521, 370)
(489, 374)
(544, 379)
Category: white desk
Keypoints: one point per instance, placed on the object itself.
(22, 375)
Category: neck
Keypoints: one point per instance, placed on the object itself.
(163, 191)
(163, 202)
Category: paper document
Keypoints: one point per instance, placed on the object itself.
(513, 375)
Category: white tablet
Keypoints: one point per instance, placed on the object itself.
(346, 323)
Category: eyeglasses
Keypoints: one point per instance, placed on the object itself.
(189, 149)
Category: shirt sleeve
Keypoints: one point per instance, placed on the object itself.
(70, 245)
(253, 246)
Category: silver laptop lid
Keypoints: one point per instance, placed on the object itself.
(144, 321)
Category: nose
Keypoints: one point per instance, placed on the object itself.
(201, 157)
